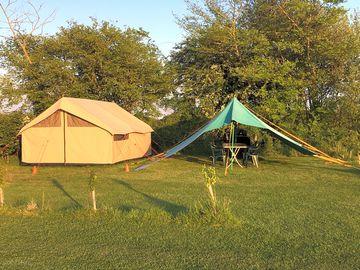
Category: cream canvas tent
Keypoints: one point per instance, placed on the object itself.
(83, 131)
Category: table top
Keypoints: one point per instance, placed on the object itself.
(235, 145)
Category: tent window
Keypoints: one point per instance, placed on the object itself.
(121, 137)
(74, 121)
(53, 120)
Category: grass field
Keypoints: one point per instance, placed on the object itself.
(290, 213)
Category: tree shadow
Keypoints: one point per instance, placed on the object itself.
(128, 208)
(199, 160)
(353, 170)
(318, 165)
(57, 184)
(20, 203)
(172, 208)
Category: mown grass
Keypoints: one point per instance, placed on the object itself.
(290, 213)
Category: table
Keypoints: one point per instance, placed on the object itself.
(234, 150)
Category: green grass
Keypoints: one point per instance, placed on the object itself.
(291, 213)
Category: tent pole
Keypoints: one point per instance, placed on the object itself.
(333, 160)
(232, 142)
(228, 152)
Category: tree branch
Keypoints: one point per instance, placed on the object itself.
(15, 24)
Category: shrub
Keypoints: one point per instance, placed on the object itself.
(10, 124)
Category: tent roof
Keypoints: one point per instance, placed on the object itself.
(106, 115)
(235, 111)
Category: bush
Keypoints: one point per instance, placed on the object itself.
(10, 125)
(174, 128)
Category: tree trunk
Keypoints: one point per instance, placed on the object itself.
(93, 199)
(212, 198)
(1, 197)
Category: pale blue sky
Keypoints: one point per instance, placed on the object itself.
(154, 16)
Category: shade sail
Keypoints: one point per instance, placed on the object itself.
(235, 111)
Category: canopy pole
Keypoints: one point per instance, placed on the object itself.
(232, 142)
(334, 161)
(228, 152)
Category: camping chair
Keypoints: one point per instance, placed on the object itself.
(218, 152)
(253, 153)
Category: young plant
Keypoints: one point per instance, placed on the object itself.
(32, 206)
(211, 178)
(92, 182)
(1, 191)
(3, 175)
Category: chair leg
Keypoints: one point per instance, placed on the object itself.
(255, 161)
(212, 160)
(245, 159)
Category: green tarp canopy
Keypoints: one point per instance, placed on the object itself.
(235, 111)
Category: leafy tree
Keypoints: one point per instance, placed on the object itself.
(296, 61)
(23, 24)
(99, 61)
(10, 125)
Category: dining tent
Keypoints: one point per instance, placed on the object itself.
(83, 131)
(235, 111)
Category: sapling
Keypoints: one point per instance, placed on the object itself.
(92, 180)
(3, 175)
(210, 179)
(1, 191)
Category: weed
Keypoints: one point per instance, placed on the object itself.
(31, 206)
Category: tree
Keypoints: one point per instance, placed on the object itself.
(23, 25)
(2, 176)
(99, 61)
(224, 56)
(291, 60)
(92, 183)
(10, 125)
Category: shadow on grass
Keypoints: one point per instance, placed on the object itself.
(128, 208)
(354, 171)
(199, 160)
(172, 208)
(317, 165)
(75, 203)
(20, 203)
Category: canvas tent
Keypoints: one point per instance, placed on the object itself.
(83, 131)
(237, 112)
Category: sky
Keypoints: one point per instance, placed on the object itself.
(155, 16)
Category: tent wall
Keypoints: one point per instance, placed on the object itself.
(42, 145)
(135, 145)
(65, 138)
(88, 145)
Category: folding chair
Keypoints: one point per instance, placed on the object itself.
(218, 152)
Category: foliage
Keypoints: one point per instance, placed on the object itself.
(99, 61)
(10, 125)
(173, 128)
(92, 180)
(209, 173)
